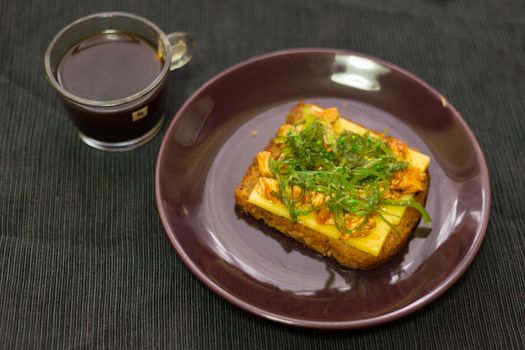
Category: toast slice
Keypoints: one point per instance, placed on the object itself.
(366, 248)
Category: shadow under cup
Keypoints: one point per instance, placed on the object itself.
(110, 71)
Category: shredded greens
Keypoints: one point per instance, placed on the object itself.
(352, 172)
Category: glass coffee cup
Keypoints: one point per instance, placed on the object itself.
(110, 70)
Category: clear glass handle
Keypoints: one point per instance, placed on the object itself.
(181, 49)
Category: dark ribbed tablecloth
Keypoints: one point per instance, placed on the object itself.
(84, 261)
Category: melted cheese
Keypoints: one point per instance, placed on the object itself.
(371, 243)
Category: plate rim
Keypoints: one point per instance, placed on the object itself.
(412, 307)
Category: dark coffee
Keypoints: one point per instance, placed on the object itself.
(109, 67)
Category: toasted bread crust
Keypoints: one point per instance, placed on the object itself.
(345, 254)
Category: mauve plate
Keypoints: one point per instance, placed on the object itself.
(217, 133)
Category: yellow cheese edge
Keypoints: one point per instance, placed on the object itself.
(416, 159)
(371, 243)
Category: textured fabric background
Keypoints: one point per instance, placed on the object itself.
(84, 261)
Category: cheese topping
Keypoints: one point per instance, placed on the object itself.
(366, 232)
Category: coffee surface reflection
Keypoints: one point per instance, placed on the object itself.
(109, 67)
